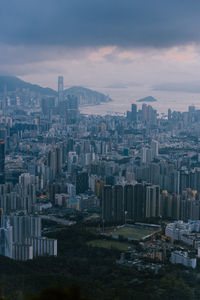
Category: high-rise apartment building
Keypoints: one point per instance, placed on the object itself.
(27, 190)
(6, 239)
(155, 148)
(54, 162)
(22, 240)
(134, 112)
(107, 203)
(130, 202)
(152, 201)
(22, 251)
(25, 226)
(69, 109)
(2, 161)
(118, 203)
(81, 182)
(42, 246)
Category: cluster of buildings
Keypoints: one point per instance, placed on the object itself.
(121, 203)
(188, 233)
(144, 200)
(125, 168)
(157, 249)
(20, 238)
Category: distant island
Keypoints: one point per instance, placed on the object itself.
(147, 99)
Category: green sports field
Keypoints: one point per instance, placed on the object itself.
(135, 232)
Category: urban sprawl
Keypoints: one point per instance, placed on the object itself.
(135, 177)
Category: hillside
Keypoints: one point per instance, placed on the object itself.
(86, 96)
(95, 271)
(12, 83)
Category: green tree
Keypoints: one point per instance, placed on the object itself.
(58, 293)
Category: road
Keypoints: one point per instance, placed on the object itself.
(58, 220)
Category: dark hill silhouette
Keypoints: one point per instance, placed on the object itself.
(12, 83)
(86, 96)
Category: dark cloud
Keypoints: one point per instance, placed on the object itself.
(76, 23)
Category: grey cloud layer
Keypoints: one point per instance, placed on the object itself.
(76, 23)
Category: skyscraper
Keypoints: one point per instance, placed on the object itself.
(155, 148)
(69, 109)
(55, 161)
(118, 203)
(129, 201)
(139, 200)
(2, 162)
(107, 203)
(60, 88)
(134, 112)
(81, 182)
(152, 201)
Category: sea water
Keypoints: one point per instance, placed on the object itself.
(124, 97)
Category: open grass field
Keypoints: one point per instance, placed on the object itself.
(110, 244)
(136, 232)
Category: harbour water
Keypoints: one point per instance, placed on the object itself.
(123, 97)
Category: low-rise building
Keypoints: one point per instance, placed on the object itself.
(181, 257)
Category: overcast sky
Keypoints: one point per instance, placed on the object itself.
(97, 43)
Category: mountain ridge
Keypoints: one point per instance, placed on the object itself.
(85, 96)
(13, 83)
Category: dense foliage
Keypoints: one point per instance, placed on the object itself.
(93, 270)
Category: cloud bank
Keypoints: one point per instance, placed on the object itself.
(80, 23)
(100, 42)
